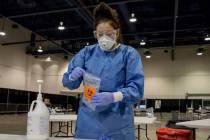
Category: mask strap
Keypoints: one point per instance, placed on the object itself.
(115, 46)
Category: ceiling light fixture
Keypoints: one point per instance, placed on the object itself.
(207, 38)
(133, 19)
(40, 49)
(142, 43)
(200, 51)
(48, 59)
(2, 32)
(61, 26)
(147, 54)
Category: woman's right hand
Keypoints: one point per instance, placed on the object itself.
(76, 73)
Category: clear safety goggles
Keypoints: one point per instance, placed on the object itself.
(111, 34)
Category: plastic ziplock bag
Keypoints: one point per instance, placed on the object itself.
(91, 87)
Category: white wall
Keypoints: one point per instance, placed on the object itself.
(163, 78)
(187, 73)
(50, 72)
(12, 67)
(21, 71)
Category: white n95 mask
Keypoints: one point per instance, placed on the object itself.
(106, 43)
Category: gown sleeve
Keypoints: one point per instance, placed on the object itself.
(77, 61)
(133, 90)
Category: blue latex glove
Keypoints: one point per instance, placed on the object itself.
(103, 99)
(103, 137)
(76, 73)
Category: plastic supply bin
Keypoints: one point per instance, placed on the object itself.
(173, 134)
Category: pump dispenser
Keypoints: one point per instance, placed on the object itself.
(38, 118)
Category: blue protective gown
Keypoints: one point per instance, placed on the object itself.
(119, 70)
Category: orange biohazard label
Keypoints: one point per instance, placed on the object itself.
(89, 92)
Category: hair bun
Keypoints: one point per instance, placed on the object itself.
(103, 11)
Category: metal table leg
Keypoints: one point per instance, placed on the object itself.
(72, 128)
(146, 132)
(194, 134)
(51, 126)
(67, 128)
(142, 129)
(59, 130)
(139, 132)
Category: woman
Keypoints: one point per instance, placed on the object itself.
(122, 81)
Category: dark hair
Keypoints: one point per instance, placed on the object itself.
(104, 13)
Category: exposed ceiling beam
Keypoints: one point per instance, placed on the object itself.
(68, 9)
(46, 52)
(86, 9)
(169, 31)
(51, 41)
(87, 39)
(127, 34)
(174, 29)
(161, 32)
(22, 42)
(149, 19)
(81, 12)
(55, 29)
